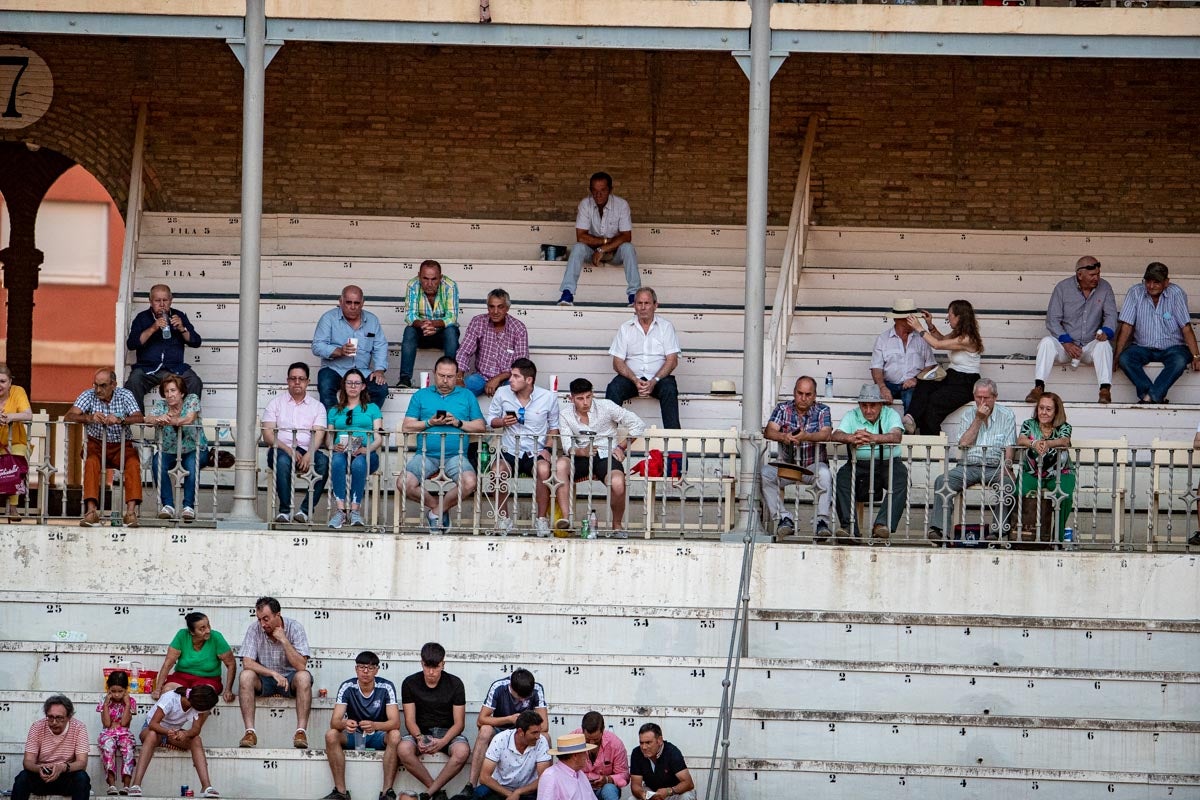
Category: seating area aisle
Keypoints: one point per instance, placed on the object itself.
(891, 671)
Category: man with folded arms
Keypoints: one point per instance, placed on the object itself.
(801, 427)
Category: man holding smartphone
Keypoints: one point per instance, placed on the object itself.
(56, 755)
(528, 416)
(441, 415)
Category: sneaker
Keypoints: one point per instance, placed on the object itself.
(562, 524)
(1194, 540)
(300, 517)
(630, 298)
(283, 518)
(1035, 394)
(433, 521)
(338, 519)
(336, 795)
(467, 792)
(135, 791)
(390, 794)
(785, 527)
(249, 740)
(934, 535)
(300, 740)
(881, 532)
(567, 299)
(446, 522)
(541, 526)
(504, 526)
(405, 382)
(440, 794)
(112, 790)
(211, 792)
(188, 515)
(166, 512)
(130, 520)
(620, 534)
(821, 532)
(910, 424)
(356, 520)
(90, 520)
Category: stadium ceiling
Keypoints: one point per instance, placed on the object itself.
(894, 42)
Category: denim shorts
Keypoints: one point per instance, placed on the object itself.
(424, 465)
(438, 733)
(371, 741)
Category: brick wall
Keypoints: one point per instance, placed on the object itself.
(512, 133)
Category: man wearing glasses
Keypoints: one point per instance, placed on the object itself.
(1082, 319)
(293, 426)
(56, 755)
(346, 337)
(106, 409)
(366, 715)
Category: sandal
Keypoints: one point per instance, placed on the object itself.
(135, 791)
(211, 792)
(112, 789)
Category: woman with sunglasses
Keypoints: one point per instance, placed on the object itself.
(355, 447)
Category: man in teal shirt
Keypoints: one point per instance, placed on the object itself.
(441, 414)
(877, 469)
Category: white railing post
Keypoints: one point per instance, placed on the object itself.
(133, 221)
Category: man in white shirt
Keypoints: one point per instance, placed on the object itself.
(595, 435)
(645, 352)
(528, 415)
(293, 426)
(603, 232)
(898, 356)
(515, 761)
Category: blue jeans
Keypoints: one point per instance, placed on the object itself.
(358, 475)
(609, 791)
(476, 382)
(581, 256)
(281, 462)
(446, 338)
(905, 395)
(1134, 359)
(165, 462)
(329, 381)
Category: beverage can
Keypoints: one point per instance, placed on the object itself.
(323, 693)
(584, 532)
(183, 790)
(1068, 534)
(1074, 363)
(521, 415)
(190, 793)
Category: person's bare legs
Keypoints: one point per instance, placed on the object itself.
(562, 497)
(149, 746)
(460, 752)
(541, 489)
(616, 493)
(200, 762)
(248, 686)
(391, 759)
(411, 759)
(301, 684)
(337, 758)
(482, 740)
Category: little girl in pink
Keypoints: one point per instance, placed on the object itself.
(116, 712)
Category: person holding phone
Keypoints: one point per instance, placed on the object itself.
(528, 416)
(56, 755)
(354, 424)
(441, 415)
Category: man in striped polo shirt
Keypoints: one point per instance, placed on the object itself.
(1155, 316)
(56, 755)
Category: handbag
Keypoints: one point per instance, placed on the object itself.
(13, 470)
(935, 373)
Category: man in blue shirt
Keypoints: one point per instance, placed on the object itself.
(366, 715)
(1155, 315)
(346, 337)
(159, 335)
(442, 414)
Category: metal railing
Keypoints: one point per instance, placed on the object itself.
(779, 328)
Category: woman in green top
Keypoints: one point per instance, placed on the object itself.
(194, 658)
(1046, 469)
(353, 424)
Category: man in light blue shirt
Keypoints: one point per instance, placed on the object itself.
(987, 433)
(346, 337)
(1155, 315)
(874, 431)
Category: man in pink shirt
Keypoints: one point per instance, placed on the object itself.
(293, 426)
(56, 755)
(565, 779)
(607, 767)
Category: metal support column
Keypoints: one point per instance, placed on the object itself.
(756, 254)
(245, 486)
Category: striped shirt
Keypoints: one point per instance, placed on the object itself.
(46, 748)
(270, 653)
(899, 361)
(120, 406)
(492, 351)
(1071, 317)
(789, 420)
(444, 306)
(1156, 326)
(996, 433)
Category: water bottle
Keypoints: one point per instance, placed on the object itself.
(591, 518)
(167, 330)
(829, 384)
(360, 740)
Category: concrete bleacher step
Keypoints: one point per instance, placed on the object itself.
(426, 237)
(693, 681)
(963, 740)
(635, 630)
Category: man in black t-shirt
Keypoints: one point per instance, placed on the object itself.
(365, 715)
(657, 769)
(435, 713)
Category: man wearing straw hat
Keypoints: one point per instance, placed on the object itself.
(564, 779)
(801, 427)
(898, 356)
